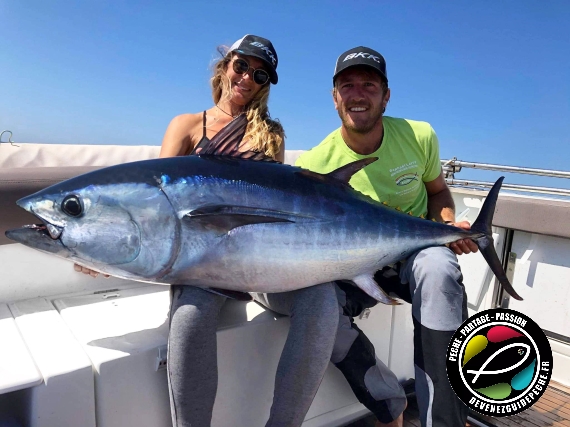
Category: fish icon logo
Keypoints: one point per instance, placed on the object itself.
(499, 362)
(500, 371)
(407, 179)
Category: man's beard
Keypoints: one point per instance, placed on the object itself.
(361, 128)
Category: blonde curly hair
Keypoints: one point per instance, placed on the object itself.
(265, 134)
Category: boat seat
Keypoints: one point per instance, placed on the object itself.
(124, 333)
(17, 368)
(66, 396)
(103, 355)
(17, 371)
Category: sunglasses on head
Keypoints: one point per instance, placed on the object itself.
(259, 75)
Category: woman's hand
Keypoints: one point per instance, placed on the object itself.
(85, 270)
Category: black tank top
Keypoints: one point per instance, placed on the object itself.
(205, 141)
(222, 146)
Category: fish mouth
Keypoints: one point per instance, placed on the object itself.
(46, 229)
(43, 237)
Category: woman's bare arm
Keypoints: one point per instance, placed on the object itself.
(179, 138)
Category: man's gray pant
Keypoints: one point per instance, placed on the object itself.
(431, 280)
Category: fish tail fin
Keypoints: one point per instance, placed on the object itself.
(486, 244)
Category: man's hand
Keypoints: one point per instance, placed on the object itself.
(88, 271)
(463, 246)
(442, 208)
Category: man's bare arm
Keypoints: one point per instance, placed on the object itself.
(442, 208)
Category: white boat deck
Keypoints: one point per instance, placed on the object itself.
(552, 409)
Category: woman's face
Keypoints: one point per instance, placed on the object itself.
(243, 88)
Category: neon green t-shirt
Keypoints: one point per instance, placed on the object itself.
(407, 157)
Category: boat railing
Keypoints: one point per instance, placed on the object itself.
(452, 166)
(9, 137)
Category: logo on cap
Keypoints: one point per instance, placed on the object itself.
(364, 55)
(266, 50)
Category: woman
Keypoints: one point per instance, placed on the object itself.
(240, 84)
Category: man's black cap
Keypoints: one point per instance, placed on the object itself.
(260, 48)
(361, 56)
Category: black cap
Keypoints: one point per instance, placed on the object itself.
(260, 48)
(361, 56)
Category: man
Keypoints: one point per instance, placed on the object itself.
(408, 176)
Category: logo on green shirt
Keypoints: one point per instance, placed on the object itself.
(407, 179)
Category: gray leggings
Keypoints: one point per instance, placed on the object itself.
(439, 306)
(192, 350)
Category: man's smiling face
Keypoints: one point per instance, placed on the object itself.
(360, 97)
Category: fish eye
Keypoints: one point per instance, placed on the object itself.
(72, 206)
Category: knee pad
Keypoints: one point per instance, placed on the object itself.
(359, 359)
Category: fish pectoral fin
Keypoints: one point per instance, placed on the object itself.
(239, 210)
(367, 283)
(226, 218)
(244, 214)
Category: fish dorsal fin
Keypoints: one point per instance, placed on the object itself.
(342, 174)
(223, 218)
(227, 142)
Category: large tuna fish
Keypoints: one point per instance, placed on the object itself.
(230, 223)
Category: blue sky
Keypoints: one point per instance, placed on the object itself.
(493, 78)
